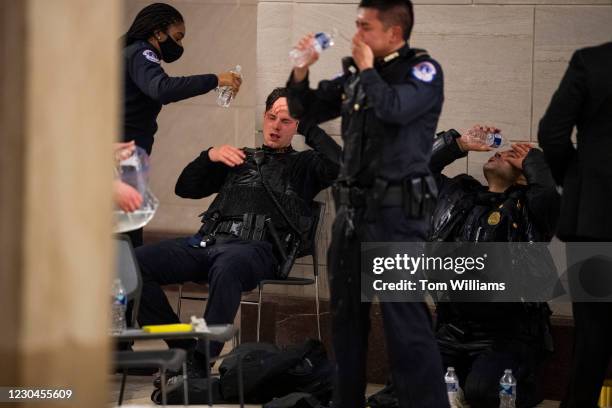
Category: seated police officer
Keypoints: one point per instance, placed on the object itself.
(253, 228)
(520, 203)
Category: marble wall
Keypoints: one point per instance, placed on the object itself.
(502, 61)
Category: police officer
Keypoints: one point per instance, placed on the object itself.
(519, 204)
(156, 35)
(390, 97)
(253, 228)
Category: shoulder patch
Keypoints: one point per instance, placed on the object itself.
(150, 55)
(424, 71)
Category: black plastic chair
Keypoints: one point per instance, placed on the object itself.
(318, 211)
(164, 360)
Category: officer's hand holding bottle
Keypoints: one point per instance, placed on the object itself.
(305, 43)
(468, 143)
(229, 155)
(230, 79)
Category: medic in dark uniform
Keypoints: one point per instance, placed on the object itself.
(156, 35)
(390, 97)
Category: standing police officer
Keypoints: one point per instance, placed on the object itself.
(156, 35)
(390, 97)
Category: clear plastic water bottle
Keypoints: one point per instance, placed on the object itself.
(226, 93)
(507, 390)
(491, 139)
(321, 41)
(452, 387)
(119, 305)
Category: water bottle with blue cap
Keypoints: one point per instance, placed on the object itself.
(320, 42)
(507, 390)
(452, 387)
(486, 137)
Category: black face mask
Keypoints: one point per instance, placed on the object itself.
(170, 50)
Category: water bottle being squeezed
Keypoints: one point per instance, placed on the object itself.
(320, 42)
(226, 93)
(482, 136)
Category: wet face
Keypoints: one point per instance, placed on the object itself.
(499, 167)
(371, 30)
(278, 126)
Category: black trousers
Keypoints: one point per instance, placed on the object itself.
(229, 268)
(592, 354)
(592, 328)
(479, 372)
(413, 353)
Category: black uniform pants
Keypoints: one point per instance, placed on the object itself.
(230, 268)
(413, 353)
(479, 372)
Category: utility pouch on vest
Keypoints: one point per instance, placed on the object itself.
(247, 223)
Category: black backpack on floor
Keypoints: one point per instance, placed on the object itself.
(270, 372)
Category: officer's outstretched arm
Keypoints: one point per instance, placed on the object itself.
(445, 150)
(315, 105)
(146, 72)
(403, 103)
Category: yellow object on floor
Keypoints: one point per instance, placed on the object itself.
(168, 328)
(605, 398)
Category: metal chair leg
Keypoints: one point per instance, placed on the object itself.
(208, 374)
(122, 389)
(180, 299)
(259, 312)
(240, 382)
(185, 388)
(163, 387)
(238, 336)
(317, 307)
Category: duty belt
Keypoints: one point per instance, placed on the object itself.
(417, 196)
(249, 227)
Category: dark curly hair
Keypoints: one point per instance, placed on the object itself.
(154, 17)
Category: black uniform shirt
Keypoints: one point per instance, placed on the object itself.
(389, 114)
(147, 87)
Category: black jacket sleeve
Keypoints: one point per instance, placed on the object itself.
(315, 106)
(445, 150)
(555, 130)
(326, 160)
(153, 81)
(201, 178)
(543, 200)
